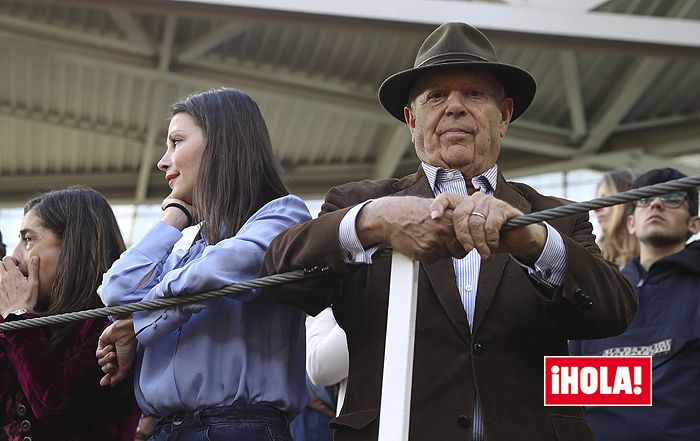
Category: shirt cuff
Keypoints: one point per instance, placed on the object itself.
(350, 245)
(550, 267)
(149, 325)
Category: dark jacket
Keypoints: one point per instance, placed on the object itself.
(516, 323)
(667, 327)
(55, 395)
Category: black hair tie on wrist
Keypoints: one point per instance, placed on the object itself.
(190, 220)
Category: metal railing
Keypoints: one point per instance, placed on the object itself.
(400, 335)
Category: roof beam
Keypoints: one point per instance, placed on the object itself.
(155, 122)
(538, 127)
(132, 30)
(80, 37)
(634, 83)
(638, 79)
(78, 126)
(333, 101)
(308, 181)
(572, 87)
(392, 153)
(165, 54)
(570, 5)
(15, 190)
(598, 29)
(313, 181)
(667, 142)
(657, 122)
(633, 158)
(526, 144)
(149, 146)
(210, 40)
(263, 72)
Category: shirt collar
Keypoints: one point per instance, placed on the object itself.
(433, 173)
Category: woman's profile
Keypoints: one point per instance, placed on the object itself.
(230, 368)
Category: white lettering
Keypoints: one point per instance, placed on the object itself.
(623, 381)
(589, 380)
(569, 380)
(604, 386)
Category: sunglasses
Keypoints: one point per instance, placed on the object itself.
(671, 200)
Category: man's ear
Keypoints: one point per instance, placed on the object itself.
(630, 224)
(506, 115)
(410, 120)
(694, 225)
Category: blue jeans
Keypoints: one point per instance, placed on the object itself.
(244, 422)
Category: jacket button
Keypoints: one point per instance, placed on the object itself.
(582, 300)
(26, 438)
(478, 348)
(464, 421)
(24, 426)
(21, 410)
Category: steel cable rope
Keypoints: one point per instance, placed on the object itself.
(278, 279)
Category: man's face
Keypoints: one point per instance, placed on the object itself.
(457, 119)
(659, 225)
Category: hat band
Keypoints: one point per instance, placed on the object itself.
(451, 57)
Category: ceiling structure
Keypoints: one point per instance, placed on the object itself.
(85, 86)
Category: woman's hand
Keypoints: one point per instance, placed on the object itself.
(176, 215)
(17, 291)
(116, 350)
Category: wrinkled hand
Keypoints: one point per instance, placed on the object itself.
(17, 291)
(174, 216)
(405, 222)
(116, 350)
(484, 232)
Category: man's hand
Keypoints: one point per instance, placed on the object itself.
(405, 223)
(116, 350)
(478, 220)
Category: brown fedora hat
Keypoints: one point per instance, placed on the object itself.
(457, 44)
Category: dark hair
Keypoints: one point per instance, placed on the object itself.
(660, 175)
(3, 247)
(91, 241)
(239, 172)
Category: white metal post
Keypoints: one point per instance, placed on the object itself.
(398, 351)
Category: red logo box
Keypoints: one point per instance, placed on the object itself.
(597, 381)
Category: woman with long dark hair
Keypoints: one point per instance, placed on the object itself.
(48, 375)
(230, 368)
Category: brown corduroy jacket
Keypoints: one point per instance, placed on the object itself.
(516, 323)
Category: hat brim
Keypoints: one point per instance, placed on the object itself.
(517, 82)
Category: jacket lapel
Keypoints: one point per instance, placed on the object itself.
(441, 272)
(492, 269)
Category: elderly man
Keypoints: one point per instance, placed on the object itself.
(491, 304)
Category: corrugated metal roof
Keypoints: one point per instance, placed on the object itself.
(86, 86)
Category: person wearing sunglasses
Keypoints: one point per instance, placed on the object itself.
(667, 277)
(670, 200)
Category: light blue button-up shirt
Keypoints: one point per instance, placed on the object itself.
(243, 347)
